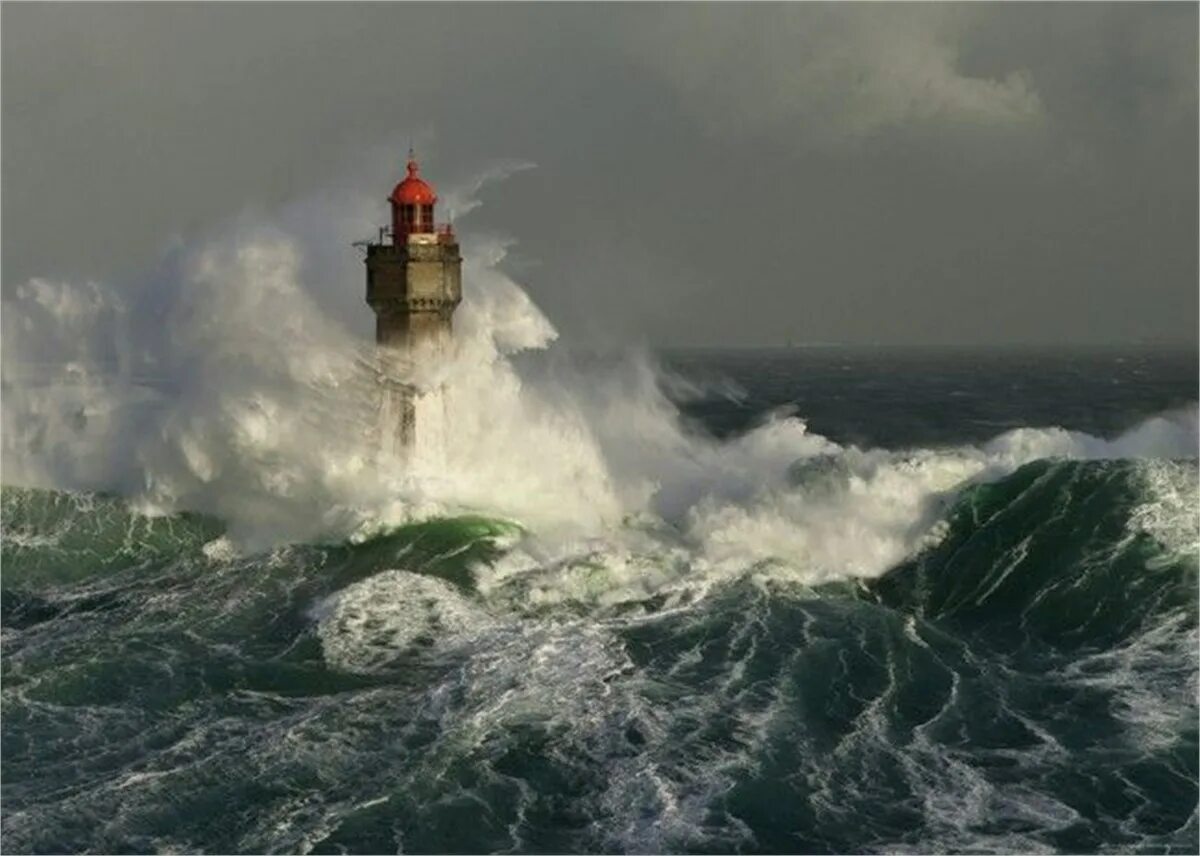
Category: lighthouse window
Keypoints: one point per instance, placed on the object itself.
(427, 215)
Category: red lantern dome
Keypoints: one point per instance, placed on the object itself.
(412, 205)
(413, 190)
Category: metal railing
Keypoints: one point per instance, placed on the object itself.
(443, 233)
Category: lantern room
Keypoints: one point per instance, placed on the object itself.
(412, 205)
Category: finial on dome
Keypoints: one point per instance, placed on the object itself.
(413, 190)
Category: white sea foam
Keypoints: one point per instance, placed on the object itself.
(367, 625)
(1169, 510)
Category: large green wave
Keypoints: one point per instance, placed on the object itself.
(1064, 551)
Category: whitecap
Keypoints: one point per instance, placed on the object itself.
(371, 624)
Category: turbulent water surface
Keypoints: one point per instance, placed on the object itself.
(956, 611)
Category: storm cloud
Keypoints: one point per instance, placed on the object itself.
(703, 174)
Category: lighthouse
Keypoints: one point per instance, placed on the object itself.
(414, 284)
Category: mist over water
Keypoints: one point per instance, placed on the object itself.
(628, 604)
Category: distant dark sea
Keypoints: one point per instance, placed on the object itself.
(930, 396)
(1023, 678)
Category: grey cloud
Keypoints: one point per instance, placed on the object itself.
(706, 174)
(840, 71)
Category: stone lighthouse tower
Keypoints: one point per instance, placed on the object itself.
(414, 284)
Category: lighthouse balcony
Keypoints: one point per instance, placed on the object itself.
(414, 251)
(443, 235)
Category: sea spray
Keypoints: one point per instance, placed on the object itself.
(222, 387)
(234, 394)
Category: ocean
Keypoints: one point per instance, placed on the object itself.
(815, 600)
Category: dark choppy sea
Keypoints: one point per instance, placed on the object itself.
(1012, 669)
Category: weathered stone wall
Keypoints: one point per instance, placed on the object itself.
(414, 289)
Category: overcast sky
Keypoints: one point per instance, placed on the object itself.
(704, 175)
